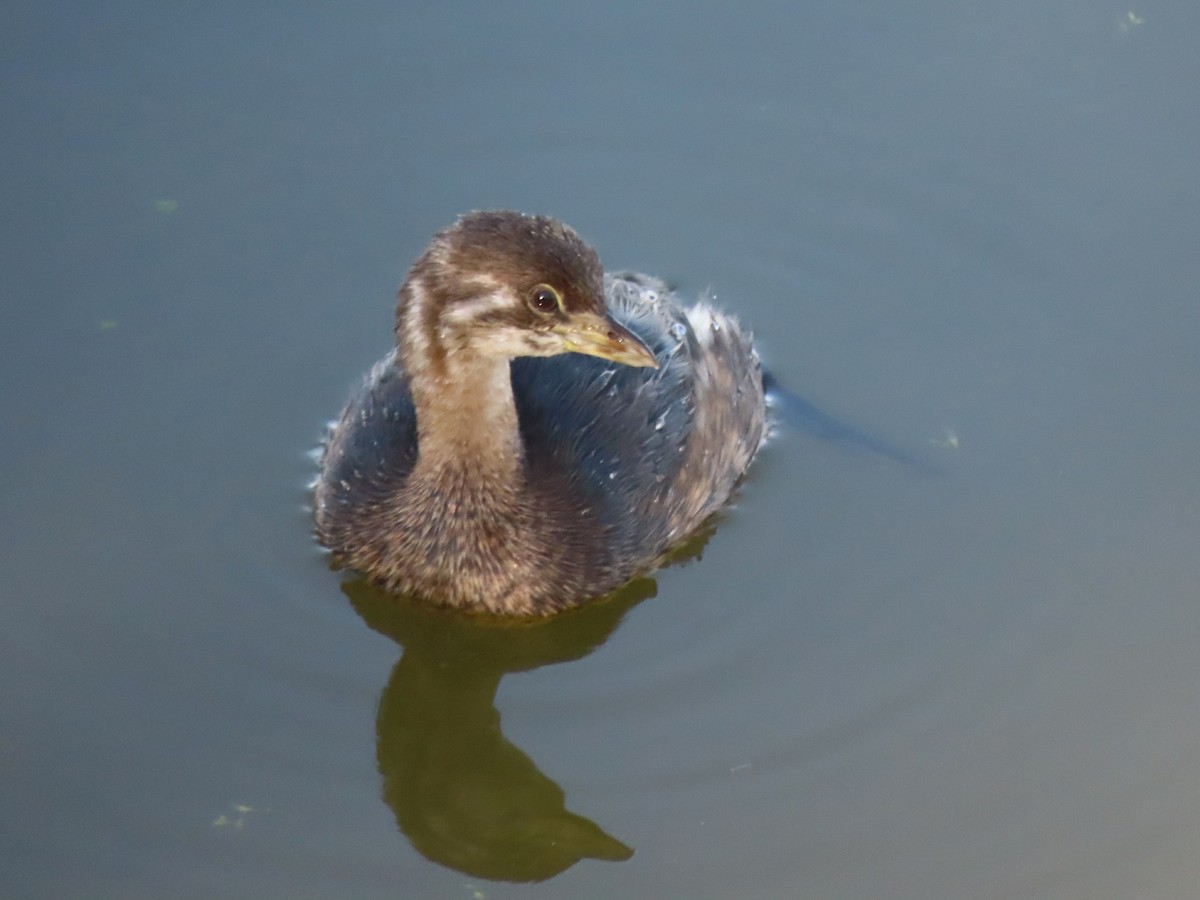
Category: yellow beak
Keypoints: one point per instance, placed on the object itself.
(606, 338)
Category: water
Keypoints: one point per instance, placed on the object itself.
(970, 230)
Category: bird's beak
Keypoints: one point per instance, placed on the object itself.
(604, 337)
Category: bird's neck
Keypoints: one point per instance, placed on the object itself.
(467, 432)
(467, 420)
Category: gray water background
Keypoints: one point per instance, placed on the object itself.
(973, 228)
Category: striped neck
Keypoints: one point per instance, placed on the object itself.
(466, 413)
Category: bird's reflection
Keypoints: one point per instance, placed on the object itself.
(462, 793)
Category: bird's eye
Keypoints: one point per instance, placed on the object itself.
(544, 299)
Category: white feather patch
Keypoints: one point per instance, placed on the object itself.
(703, 320)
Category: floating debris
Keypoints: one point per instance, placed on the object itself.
(949, 440)
(1130, 21)
(236, 820)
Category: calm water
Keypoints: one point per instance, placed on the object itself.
(967, 228)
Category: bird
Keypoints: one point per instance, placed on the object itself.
(542, 432)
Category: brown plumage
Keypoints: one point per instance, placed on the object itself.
(542, 432)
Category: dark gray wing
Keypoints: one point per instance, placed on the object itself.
(619, 432)
(373, 447)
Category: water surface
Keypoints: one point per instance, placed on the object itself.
(969, 229)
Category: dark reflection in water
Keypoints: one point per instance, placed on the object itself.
(462, 793)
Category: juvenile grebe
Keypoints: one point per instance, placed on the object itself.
(542, 431)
